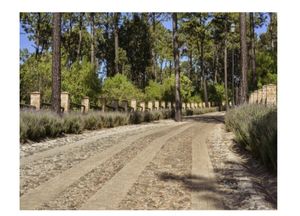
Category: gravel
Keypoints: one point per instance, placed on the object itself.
(244, 183)
(79, 192)
(162, 184)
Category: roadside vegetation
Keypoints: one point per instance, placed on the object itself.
(255, 128)
(37, 125)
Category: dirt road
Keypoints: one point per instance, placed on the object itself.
(162, 165)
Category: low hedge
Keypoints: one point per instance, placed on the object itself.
(255, 128)
(36, 125)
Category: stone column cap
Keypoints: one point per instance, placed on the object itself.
(35, 92)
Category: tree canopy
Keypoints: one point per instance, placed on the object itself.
(130, 55)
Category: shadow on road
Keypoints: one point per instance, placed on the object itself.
(195, 183)
(217, 118)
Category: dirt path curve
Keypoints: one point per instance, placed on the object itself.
(117, 174)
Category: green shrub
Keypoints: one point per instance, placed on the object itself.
(73, 123)
(38, 125)
(92, 121)
(119, 87)
(255, 128)
(136, 117)
(23, 130)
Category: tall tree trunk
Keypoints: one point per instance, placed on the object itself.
(244, 59)
(177, 71)
(271, 30)
(252, 42)
(116, 37)
(203, 73)
(153, 48)
(216, 68)
(56, 73)
(232, 77)
(80, 37)
(93, 39)
(225, 74)
(191, 63)
(38, 35)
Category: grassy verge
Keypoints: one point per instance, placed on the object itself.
(255, 128)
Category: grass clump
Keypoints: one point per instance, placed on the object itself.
(73, 123)
(38, 125)
(255, 128)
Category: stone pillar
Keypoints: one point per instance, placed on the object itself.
(169, 105)
(163, 104)
(142, 104)
(35, 100)
(183, 105)
(102, 103)
(209, 104)
(259, 96)
(133, 104)
(86, 102)
(200, 105)
(255, 96)
(156, 104)
(150, 105)
(65, 101)
(264, 94)
(272, 94)
(188, 105)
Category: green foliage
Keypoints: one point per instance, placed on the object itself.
(35, 75)
(186, 88)
(255, 128)
(216, 93)
(119, 87)
(153, 91)
(80, 80)
(266, 68)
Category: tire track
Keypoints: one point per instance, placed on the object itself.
(161, 185)
(112, 193)
(50, 189)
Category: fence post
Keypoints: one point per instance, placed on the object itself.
(65, 101)
(156, 104)
(35, 100)
(86, 102)
(163, 104)
(209, 105)
(142, 104)
(150, 105)
(102, 102)
(169, 105)
(133, 104)
(183, 105)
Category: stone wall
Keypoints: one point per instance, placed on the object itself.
(266, 95)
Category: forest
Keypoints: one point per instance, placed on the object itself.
(213, 57)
